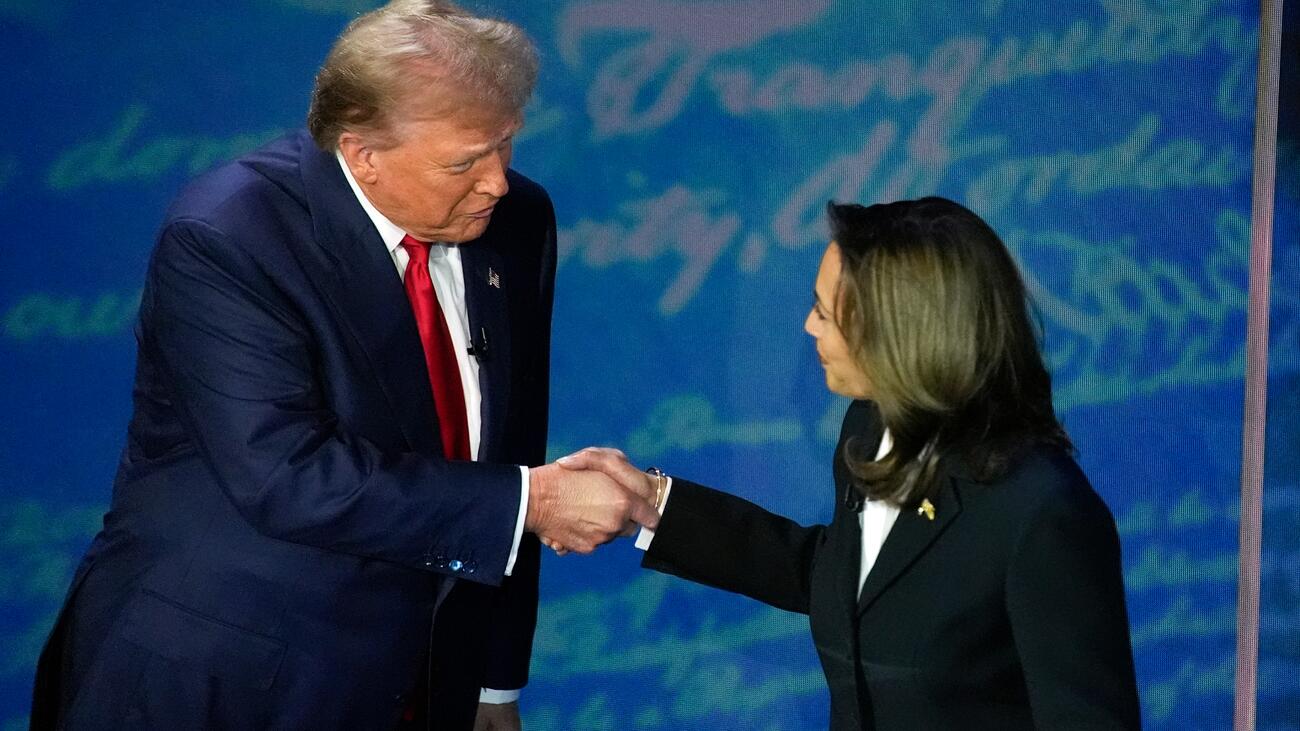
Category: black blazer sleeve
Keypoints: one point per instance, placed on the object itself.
(727, 542)
(1065, 599)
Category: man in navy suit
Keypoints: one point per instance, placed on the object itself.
(326, 514)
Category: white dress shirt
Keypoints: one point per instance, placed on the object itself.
(875, 521)
(449, 285)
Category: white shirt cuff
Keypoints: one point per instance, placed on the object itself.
(645, 536)
(497, 697)
(519, 528)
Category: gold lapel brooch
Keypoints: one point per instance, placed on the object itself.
(926, 509)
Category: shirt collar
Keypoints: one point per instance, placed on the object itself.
(390, 232)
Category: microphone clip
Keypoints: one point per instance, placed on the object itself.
(479, 347)
(852, 498)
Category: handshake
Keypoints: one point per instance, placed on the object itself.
(589, 498)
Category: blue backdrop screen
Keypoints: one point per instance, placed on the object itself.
(690, 147)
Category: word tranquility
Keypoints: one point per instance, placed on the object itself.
(646, 85)
(680, 50)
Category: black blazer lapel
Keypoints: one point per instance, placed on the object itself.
(845, 540)
(912, 534)
(358, 278)
(489, 327)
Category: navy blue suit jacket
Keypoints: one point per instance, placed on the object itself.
(283, 527)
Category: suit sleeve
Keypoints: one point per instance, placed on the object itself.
(243, 373)
(723, 541)
(1065, 598)
(514, 610)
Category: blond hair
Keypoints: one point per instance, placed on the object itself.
(403, 55)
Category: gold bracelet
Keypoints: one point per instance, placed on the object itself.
(661, 483)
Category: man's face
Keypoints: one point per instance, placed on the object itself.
(446, 174)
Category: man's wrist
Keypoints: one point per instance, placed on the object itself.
(541, 488)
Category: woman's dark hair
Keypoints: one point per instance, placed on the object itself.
(934, 310)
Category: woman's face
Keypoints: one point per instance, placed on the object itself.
(843, 374)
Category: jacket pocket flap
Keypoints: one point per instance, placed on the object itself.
(185, 636)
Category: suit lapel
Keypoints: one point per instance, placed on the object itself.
(358, 278)
(489, 325)
(912, 534)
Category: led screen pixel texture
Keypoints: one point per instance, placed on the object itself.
(690, 148)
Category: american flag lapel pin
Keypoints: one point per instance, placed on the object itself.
(494, 279)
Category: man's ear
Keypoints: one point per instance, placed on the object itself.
(359, 157)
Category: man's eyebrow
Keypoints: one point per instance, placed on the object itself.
(476, 151)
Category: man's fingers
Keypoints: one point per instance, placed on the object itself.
(615, 465)
(605, 459)
(623, 474)
(642, 512)
(635, 481)
(583, 459)
(555, 545)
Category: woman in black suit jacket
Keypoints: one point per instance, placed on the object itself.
(992, 597)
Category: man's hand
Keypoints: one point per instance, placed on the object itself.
(582, 509)
(615, 464)
(498, 717)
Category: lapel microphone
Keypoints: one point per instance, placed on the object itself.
(478, 347)
(852, 498)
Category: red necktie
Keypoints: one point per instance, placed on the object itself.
(439, 352)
